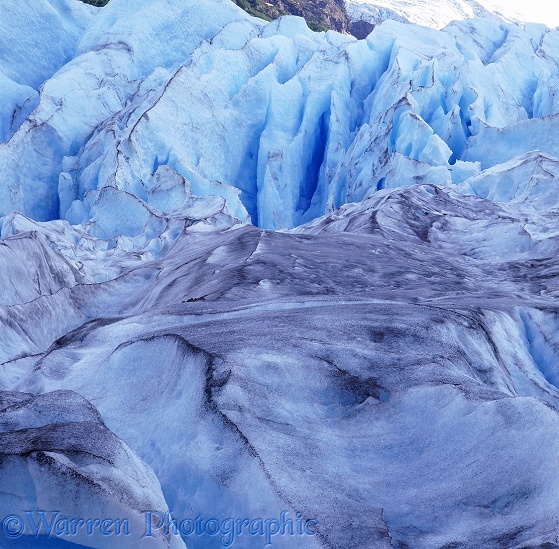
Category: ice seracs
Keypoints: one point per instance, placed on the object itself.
(283, 123)
(36, 40)
(531, 178)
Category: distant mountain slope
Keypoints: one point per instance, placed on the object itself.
(99, 3)
(320, 15)
(358, 17)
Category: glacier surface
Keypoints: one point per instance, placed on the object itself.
(252, 270)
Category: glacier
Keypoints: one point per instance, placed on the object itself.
(436, 13)
(439, 13)
(248, 269)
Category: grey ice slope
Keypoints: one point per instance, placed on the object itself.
(57, 456)
(387, 370)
